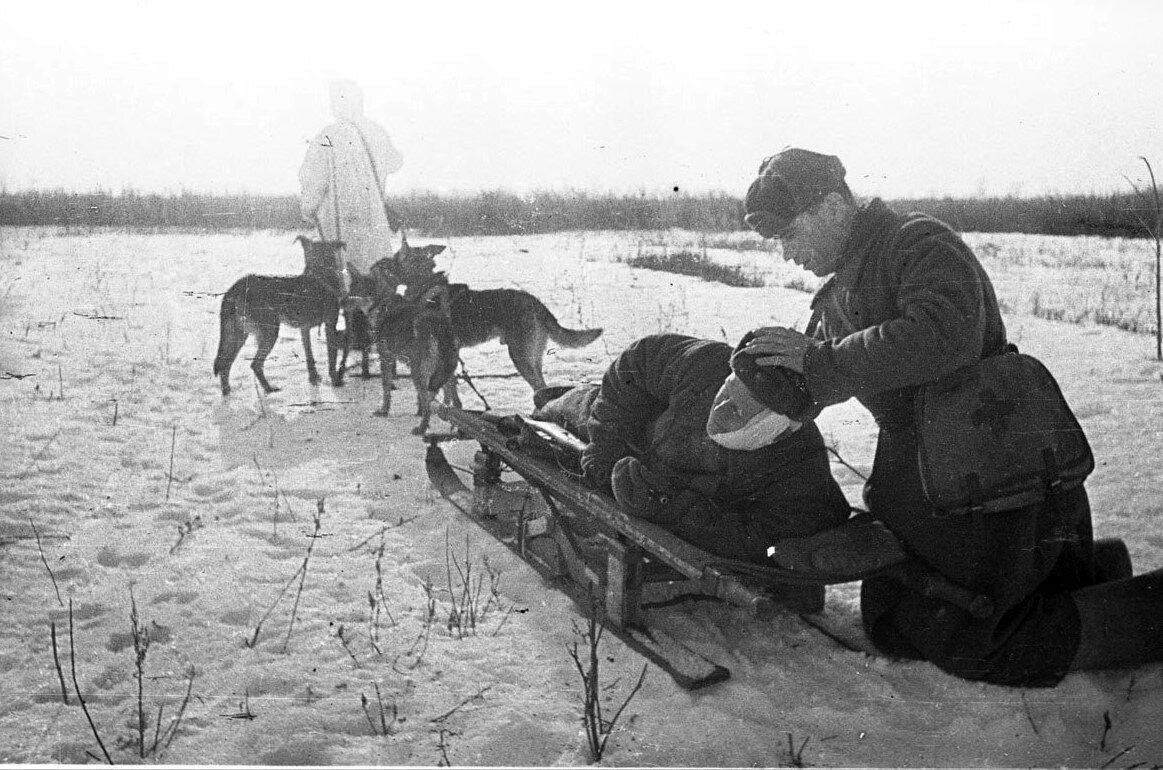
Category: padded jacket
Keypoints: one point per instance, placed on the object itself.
(653, 404)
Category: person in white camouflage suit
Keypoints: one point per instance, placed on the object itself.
(342, 180)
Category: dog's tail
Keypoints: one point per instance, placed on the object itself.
(570, 338)
(229, 329)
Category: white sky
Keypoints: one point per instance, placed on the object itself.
(916, 98)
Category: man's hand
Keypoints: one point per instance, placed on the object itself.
(779, 346)
(639, 491)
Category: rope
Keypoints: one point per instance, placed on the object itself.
(467, 379)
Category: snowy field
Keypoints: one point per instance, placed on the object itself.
(143, 482)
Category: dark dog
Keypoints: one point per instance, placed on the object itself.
(518, 319)
(415, 330)
(359, 332)
(260, 304)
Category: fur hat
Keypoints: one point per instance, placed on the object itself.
(789, 183)
(781, 389)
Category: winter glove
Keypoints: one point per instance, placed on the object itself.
(860, 547)
(781, 389)
(639, 491)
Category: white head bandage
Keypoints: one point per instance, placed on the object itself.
(738, 421)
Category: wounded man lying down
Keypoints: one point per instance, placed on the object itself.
(681, 441)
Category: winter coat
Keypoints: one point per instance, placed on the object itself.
(910, 303)
(339, 187)
(653, 404)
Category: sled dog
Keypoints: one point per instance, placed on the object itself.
(520, 321)
(260, 304)
(385, 276)
(516, 318)
(413, 329)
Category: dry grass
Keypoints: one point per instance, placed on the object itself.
(1081, 280)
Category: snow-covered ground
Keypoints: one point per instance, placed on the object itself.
(140, 477)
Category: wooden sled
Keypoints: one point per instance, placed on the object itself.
(607, 561)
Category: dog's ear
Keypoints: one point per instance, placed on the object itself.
(434, 249)
(303, 240)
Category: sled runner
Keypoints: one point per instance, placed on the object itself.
(586, 546)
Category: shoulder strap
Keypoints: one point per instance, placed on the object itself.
(813, 322)
(370, 158)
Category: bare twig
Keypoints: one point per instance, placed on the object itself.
(419, 645)
(244, 711)
(462, 704)
(1156, 234)
(282, 592)
(57, 662)
(385, 726)
(275, 488)
(170, 475)
(172, 730)
(340, 633)
(597, 729)
(303, 573)
(44, 561)
(846, 464)
(1029, 715)
(795, 756)
(141, 642)
(377, 601)
(367, 714)
(1111, 761)
(77, 688)
(300, 572)
(401, 522)
(444, 761)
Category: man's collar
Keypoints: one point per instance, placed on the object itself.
(869, 227)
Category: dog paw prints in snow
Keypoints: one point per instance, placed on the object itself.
(175, 597)
(110, 556)
(122, 640)
(81, 612)
(237, 617)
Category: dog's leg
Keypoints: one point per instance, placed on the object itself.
(334, 371)
(527, 356)
(312, 372)
(232, 334)
(359, 328)
(233, 338)
(341, 365)
(424, 398)
(267, 335)
(450, 394)
(387, 375)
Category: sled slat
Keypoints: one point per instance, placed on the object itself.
(688, 668)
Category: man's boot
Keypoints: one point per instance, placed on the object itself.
(1121, 623)
(1112, 560)
(800, 599)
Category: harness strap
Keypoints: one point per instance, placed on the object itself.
(339, 295)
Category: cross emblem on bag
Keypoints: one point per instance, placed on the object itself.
(993, 411)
